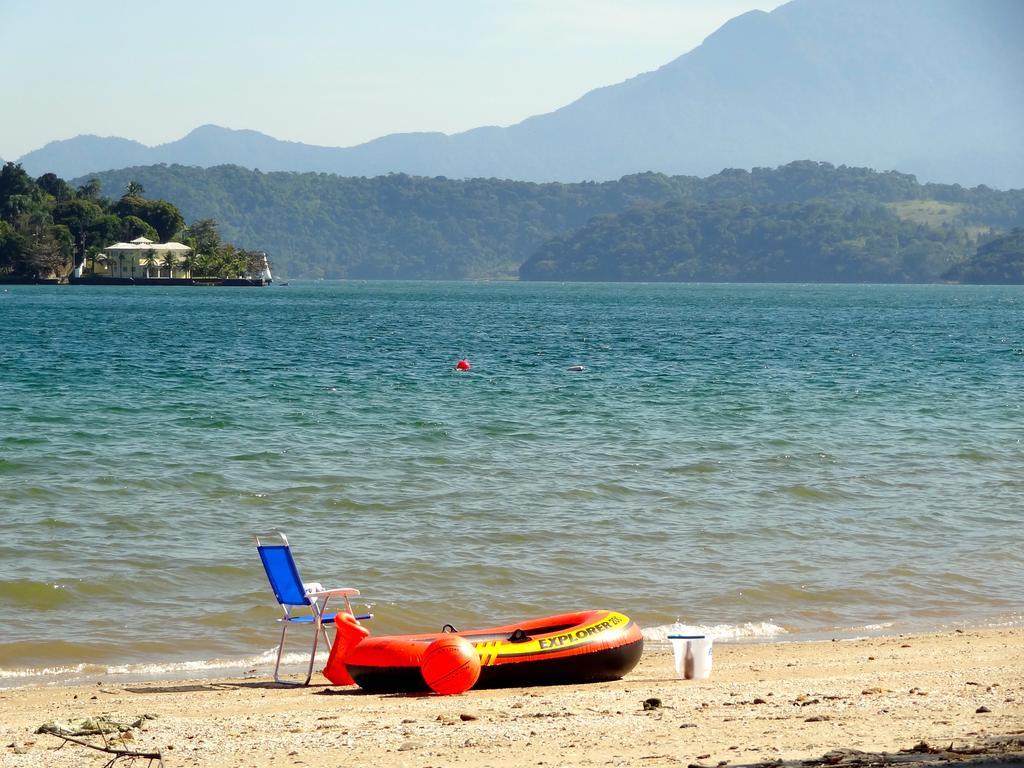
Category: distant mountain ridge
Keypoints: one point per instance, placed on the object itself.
(930, 87)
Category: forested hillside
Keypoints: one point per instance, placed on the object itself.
(735, 241)
(398, 226)
(997, 262)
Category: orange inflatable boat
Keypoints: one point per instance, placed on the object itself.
(583, 647)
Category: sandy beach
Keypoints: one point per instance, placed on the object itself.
(912, 697)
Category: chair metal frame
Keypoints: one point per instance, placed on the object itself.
(292, 593)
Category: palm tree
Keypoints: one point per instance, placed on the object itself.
(169, 261)
(134, 189)
(150, 260)
(106, 260)
(186, 263)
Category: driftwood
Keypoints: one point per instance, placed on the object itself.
(117, 753)
(101, 726)
(992, 752)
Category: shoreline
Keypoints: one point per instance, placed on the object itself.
(57, 673)
(60, 673)
(765, 702)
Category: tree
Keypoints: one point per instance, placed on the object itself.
(134, 189)
(14, 249)
(164, 217)
(107, 261)
(55, 186)
(1000, 261)
(43, 255)
(254, 261)
(91, 190)
(133, 227)
(79, 215)
(186, 263)
(205, 237)
(49, 255)
(169, 260)
(104, 231)
(150, 260)
(205, 265)
(16, 188)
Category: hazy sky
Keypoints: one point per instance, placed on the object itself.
(331, 72)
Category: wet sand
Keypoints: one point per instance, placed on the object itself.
(835, 703)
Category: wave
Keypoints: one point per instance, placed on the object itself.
(35, 595)
(261, 663)
(749, 631)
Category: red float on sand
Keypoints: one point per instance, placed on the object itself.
(450, 665)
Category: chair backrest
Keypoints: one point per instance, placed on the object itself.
(281, 570)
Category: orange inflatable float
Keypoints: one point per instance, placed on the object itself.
(588, 646)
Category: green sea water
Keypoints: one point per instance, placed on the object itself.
(756, 460)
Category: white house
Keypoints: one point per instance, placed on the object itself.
(144, 258)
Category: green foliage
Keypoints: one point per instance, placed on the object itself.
(105, 230)
(79, 215)
(90, 190)
(32, 245)
(46, 225)
(170, 261)
(227, 261)
(164, 217)
(19, 193)
(805, 221)
(391, 226)
(56, 187)
(152, 263)
(736, 241)
(398, 226)
(204, 237)
(997, 262)
(133, 227)
(214, 258)
(15, 249)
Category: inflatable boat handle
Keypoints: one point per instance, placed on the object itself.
(348, 634)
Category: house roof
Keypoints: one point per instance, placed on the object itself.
(144, 244)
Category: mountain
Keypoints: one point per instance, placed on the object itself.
(929, 87)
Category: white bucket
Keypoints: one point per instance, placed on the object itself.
(693, 656)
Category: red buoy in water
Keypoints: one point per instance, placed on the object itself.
(463, 365)
(450, 665)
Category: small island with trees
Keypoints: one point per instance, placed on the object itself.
(52, 232)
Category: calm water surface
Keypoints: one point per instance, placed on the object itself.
(761, 460)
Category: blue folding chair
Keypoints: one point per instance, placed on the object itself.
(292, 593)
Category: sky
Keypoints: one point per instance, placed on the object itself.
(328, 72)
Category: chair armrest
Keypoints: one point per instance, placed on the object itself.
(341, 591)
